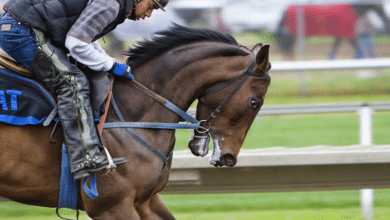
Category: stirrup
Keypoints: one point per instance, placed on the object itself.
(111, 165)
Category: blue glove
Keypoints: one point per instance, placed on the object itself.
(122, 70)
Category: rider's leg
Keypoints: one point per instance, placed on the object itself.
(334, 49)
(50, 64)
(366, 44)
(358, 50)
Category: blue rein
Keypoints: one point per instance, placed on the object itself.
(194, 124)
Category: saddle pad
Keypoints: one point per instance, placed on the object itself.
(23, 101)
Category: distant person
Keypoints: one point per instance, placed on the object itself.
(364, 31)
(365, 28)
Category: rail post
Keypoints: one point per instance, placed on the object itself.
(301, 36)
(365, 122)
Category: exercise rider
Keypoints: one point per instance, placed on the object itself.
(40, 33)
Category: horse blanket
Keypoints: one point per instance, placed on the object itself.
(338, 20)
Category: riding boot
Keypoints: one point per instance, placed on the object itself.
(51, 65)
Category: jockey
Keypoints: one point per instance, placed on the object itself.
(40, 33)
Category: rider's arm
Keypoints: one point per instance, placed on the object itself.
(88, 55)
(95, 17)
(97, 46)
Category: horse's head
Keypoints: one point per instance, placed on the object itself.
(229, 81)
(228, 123)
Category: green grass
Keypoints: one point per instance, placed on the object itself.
(328, 86)
(321, 214)
(17, 211)
(290, 99)
(291, 205)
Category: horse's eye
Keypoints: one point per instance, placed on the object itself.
(255, 104)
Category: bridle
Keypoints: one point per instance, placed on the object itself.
(244, 76)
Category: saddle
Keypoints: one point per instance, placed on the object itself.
(24, 100)
(7, 62)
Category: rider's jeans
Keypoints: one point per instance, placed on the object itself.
(17, 39)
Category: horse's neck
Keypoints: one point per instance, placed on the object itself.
(178, 83)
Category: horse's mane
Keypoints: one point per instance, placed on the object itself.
(174, 36)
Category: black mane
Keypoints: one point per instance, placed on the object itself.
(175, 36)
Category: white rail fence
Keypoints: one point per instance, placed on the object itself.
(330, 64)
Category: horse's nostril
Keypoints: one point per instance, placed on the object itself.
(229, 160)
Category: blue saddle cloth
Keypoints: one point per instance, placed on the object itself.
(23, 101)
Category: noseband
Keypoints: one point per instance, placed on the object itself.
(244, 76)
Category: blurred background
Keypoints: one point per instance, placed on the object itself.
(309, 33)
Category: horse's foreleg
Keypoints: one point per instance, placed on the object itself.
(154, 209)
(121, 211)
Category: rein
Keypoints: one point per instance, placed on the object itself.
(194, 124)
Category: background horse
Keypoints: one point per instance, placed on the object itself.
(180, 64)
(337, 20)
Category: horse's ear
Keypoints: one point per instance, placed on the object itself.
(257, 48)
(262, 58)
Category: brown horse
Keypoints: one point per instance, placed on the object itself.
(179, 64)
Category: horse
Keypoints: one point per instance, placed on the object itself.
(180, 64)
(337, 20)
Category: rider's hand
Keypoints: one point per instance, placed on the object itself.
(122, 70)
